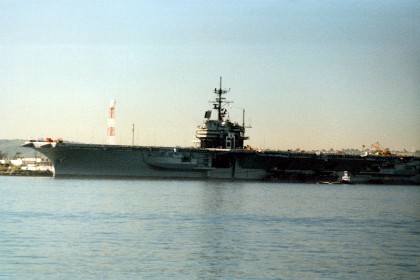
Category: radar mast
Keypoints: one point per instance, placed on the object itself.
(220, 101)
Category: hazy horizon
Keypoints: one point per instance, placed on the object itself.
(310, 74)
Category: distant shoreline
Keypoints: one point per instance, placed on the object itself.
(46, 173)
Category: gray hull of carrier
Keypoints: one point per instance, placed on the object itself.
(91, 160)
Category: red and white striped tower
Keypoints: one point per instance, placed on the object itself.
(111, 123)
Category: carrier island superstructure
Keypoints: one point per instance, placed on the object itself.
(222, 155)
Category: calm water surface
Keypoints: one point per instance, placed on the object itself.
(119, 229)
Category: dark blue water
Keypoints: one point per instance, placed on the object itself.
(119, 229)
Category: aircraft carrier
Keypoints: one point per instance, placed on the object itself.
(223, 155)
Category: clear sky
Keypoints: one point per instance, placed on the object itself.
(310, 74)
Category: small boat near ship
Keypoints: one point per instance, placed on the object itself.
(223, 155)
(345, 180)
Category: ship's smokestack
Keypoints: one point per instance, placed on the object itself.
(111, 122)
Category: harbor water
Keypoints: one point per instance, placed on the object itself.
(166, 229)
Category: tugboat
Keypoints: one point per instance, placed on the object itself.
(346, 178)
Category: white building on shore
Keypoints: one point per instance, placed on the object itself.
(31, 164)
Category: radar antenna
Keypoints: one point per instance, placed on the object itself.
(218, 103)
